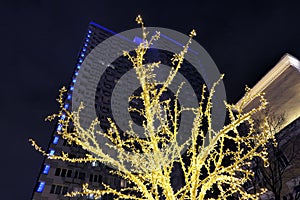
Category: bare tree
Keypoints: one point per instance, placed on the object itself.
(281, 155)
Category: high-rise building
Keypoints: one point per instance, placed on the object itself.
(57, 177)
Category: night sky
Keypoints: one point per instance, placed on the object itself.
(40, 41)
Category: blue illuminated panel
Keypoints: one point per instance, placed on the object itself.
(59, 127)
(66, 106)
(41, 187)
(63, 116)
(55, 140)
(51, 153)
(46, 169)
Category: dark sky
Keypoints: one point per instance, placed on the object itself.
(40, 41)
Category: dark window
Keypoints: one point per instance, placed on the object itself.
(81, 175)
(65, 190)
(283, 161)
(52, 189)
(91, 178)
(100, 179)
(63, 172)
(69, 173)
(76, 174)
(58, 189)
(57, 171)
(95, 178)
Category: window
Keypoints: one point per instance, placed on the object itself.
(55, 140)
(95, 164)
(65, 190)
(76, 174)
(40, 187)
(59, 127)
(51, 152)
(123, 183)
(81, 176)
(282, 159)
(69, 173)
(46, 169)
(57, 172)
(52, 189)
(58, 189)
(63, 172)
(95, 178)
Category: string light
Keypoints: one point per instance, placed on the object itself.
(150, 176)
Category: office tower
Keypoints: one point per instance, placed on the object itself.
(57, 177)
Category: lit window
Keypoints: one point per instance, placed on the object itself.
(59, 127)
(90, 196)
(51, 153)
(46, 169)
(123, 183)
(95, 164)
(63, 116)
(55, 140)
(41, 187)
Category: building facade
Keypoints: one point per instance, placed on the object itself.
(57, 177)
(281, 86)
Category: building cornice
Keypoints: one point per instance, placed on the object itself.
(285, 62)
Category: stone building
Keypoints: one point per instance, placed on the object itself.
(281, 86)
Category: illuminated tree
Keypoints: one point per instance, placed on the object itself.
(212, 167)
